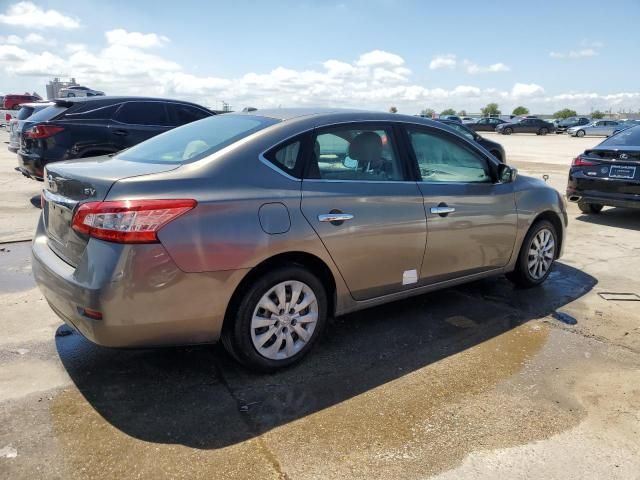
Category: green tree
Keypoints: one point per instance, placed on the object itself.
(491, 109)
(565, 113)
(520, 110)
(393, 109)
(427, 112)
(596, 114)
(448, 111)
(462, 113)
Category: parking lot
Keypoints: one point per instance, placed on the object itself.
(478, 381)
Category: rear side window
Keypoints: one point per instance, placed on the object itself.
(92, 112)
(196, 140)
(287, 157)
(183, 114)
(143, 113)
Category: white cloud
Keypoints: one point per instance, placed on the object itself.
(375, 80)
(36, 38)
(379, 57)
(11, 40)
(120, 36)
(520, 90)
(474, 68)
(443, 61)
(583, 53)
(26, 14)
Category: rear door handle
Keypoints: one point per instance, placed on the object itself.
(334, 217)
(122, 133)
(443, 210)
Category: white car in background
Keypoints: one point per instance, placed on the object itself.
(597, 127)
(78, 91)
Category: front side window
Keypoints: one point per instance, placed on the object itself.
(183, 114)
(196, 140)
(142, 113)
(355, 154)
(443, 160)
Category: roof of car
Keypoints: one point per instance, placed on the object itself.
(110, 98)
(346, 114)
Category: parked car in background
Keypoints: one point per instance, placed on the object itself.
(494, 148)
(597, 127)
(565, 124)
(468, 120)
(608, 174)
(20, 122)
(79, 91)
(526, 125)
(486, 124)
(624, 124)
(13, 102)
(92, 126)
(453, 118)
(240, 227)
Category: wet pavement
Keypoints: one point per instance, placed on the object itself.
(479, 381)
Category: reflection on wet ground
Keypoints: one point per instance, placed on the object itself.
(386, 384)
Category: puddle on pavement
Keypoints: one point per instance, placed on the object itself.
(15, 267)
(422, 421)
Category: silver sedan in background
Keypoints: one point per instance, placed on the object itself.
(597, 127)
(254, 228)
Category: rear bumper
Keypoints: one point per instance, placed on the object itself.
(610, 192)
(144, 299)
(30, 165)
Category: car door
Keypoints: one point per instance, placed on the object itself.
(137, 121)
(358, 196)
(599, 128)
(609, 127)
(471, 218)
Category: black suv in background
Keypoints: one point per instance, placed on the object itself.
(90, 127)
(562, 125)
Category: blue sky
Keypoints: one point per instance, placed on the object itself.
(370, 54)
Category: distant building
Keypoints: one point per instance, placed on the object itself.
(54, 86)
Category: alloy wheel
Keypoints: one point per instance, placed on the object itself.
(284, 320)
(541, 254)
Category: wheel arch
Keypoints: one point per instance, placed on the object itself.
(307, 260)
(553, 218)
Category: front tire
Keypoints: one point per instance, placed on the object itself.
(590, 207)
(507, 131)
(536, 256)
(580, 133)
(278, 320)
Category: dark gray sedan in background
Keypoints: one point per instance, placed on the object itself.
(254, 228)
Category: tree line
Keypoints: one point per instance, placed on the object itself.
(492, 109)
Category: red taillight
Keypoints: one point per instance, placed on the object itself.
(580, 161)
(7, 117)
(128, 221)
(43, 131)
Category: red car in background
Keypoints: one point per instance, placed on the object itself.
(13, 102)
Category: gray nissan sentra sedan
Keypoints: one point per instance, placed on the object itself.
(254, 228)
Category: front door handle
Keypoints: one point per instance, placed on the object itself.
(122, 133)
(443, 210)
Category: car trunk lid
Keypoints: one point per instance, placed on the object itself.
(69, 184)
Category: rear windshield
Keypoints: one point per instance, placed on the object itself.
(24, 113)
(196, 140)
(47, 113)
(629, 137)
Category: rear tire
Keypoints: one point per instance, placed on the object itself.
(543, 131)
(266, 340)
(536, 257)
(590, 207)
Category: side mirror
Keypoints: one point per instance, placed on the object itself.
(507, 174)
